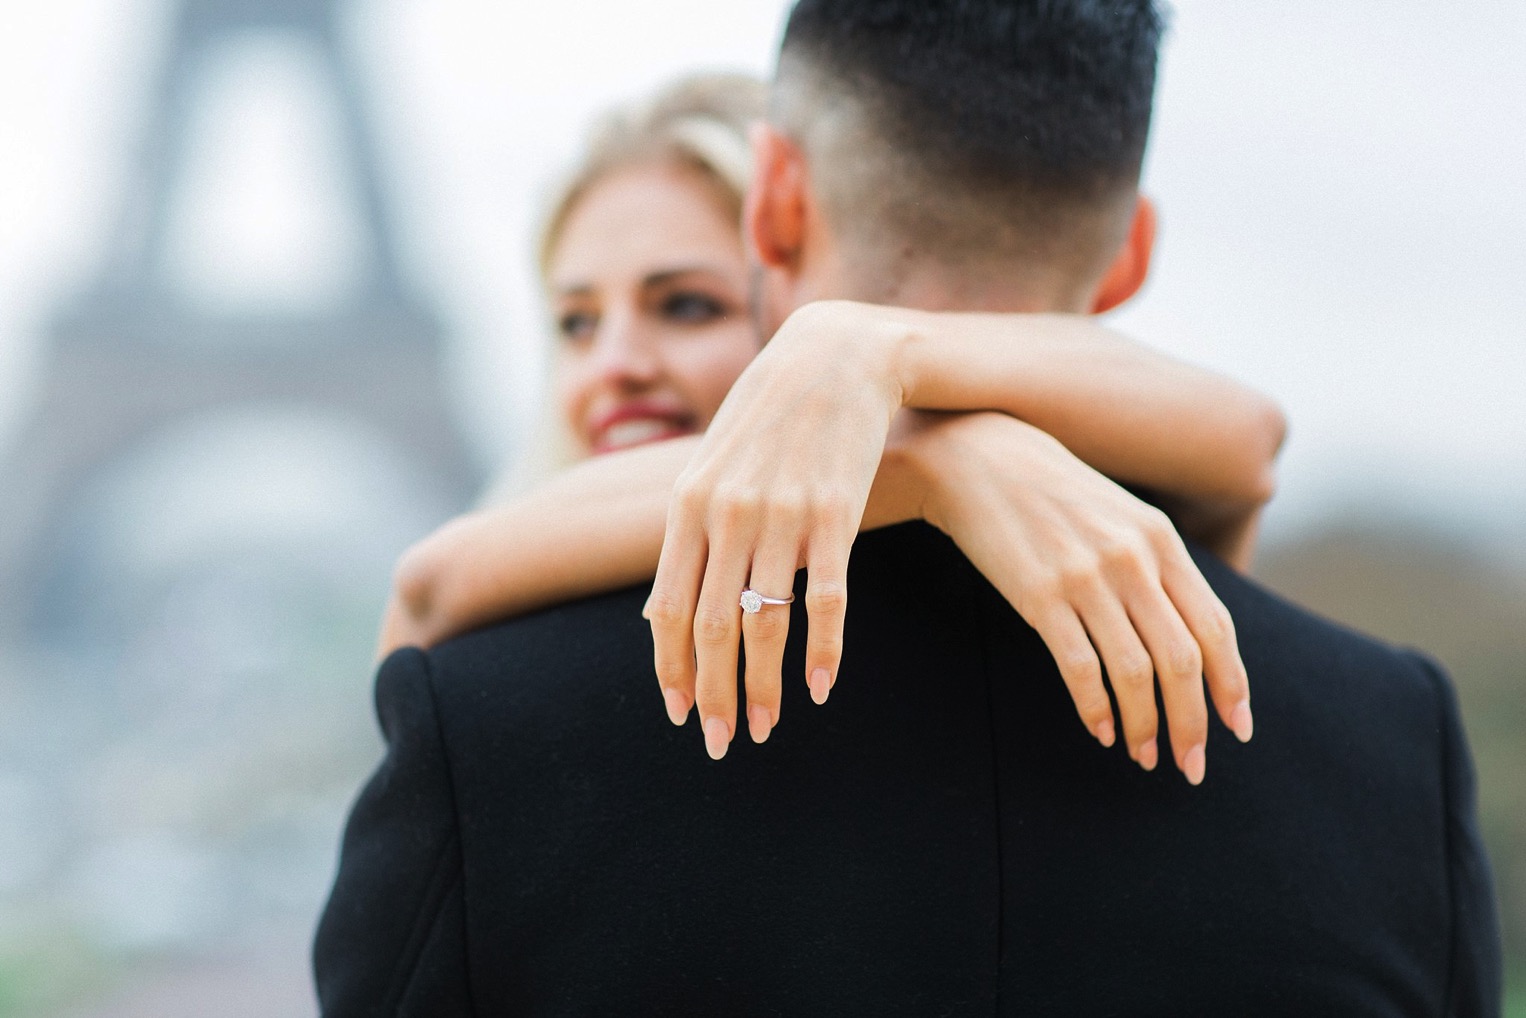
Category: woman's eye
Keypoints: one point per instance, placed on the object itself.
(693, 308)
(576, 325)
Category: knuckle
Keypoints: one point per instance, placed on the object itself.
(787, 508)
(1123, 550)
(1092, 706)
(829, 597)
(767, 626)
(665, 610)
(831, 505)
(1188, 726)
(1217, 624)
(825, 650)
(690, 496)
(1079, 665)
(1080, 574)
(1155, 522)
(1132, 670)
(1040, 593)
(824, 644)
(673, 666)
(673, 673)
(1128, 550)
(1181, 659)
(1162, 532)
(713, 624)
(763, 681)
(735, 504)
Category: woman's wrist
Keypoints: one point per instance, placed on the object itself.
(901, 486)
(866, 342)
(950, 454)
(925, 460)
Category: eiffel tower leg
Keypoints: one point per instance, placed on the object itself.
(138, 240)
(386, 280)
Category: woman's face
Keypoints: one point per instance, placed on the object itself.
(649, 290)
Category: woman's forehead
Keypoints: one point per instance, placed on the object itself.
(644, 220)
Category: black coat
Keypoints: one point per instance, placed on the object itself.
(941, 838)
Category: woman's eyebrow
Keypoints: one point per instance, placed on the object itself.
(579, 288)
(668, 275)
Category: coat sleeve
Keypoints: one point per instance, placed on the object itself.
(392, 939)
(1476, 979)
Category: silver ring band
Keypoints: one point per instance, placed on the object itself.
(752, 602)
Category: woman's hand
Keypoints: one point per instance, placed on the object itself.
(780, 481)
(1103, 578)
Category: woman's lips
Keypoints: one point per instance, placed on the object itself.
(637, 423)
(634, 431)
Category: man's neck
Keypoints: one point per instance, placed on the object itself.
(910, 279)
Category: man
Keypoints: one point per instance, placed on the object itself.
(944, 839)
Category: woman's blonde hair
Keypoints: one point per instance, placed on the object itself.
(699, 122)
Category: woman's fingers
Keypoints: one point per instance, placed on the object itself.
(1129, 669)
(1178, 667)
(716, 547)
(765, 632)
(1062, 632)
(826, 605)
(717, 635)
(1214, 630)
(670, 610)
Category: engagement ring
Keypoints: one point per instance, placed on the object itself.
(753, 602)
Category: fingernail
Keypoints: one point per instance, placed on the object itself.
(759, 722)
(1241, 722)
(1105, 733)
(1148, 755)
(717, 738)
(678, 705)
(821, 685)
(1194, 764)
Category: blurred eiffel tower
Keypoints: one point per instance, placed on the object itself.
(130, 357)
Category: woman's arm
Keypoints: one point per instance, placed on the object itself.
(595, 527)
(1204, 445)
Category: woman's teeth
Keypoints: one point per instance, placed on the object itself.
(636, 431)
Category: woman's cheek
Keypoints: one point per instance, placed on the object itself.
(571, 391)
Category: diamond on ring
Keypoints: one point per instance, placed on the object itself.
(752, 602)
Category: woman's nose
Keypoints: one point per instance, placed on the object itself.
(625, 352)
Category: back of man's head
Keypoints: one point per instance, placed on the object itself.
(970, 133)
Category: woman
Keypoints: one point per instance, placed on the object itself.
(643, 266)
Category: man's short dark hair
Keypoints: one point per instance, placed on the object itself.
(1031, 108)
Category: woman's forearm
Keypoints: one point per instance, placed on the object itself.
(1135, 414)
(1206, 445)
(595, 527)
(1203, 444)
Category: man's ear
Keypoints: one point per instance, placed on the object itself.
(1127, 273)
(774, 213)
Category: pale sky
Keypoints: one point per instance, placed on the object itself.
(1342, 190)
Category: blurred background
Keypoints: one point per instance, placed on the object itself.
(266, 316)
